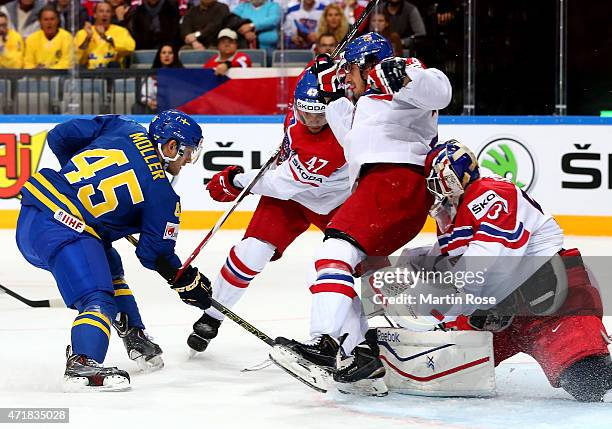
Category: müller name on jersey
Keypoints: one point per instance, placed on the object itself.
(145, 146)
(431, 299)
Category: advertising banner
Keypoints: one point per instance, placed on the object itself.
(566, 167)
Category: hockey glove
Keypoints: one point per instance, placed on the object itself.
(388, 76)
(325, 69)
(221, 187)
(193, 288)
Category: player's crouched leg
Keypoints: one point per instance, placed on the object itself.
(589, 377)
(573, 353)
(90, 336)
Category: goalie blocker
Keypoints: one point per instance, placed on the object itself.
(438, 363)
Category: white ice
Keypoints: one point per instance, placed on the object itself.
(210, 391)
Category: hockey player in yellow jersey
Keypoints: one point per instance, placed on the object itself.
(103, 44)
(51, 47)
(11, 45)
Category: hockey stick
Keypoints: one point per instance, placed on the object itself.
(228, 212)
(43, 303)
(355, 28)
(227, 312)
(339, 49)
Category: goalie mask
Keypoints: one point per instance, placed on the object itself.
(449, 167)
(308, 108)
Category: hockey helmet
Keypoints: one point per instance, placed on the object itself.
(308, 107)
(449, 168)
(176, 125)
(367, 49)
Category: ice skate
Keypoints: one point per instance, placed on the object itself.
(139, 346)
(312, 362)
(204, 330)
(360, 373)
(86, 375)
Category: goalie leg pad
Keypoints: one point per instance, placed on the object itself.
(438, 363)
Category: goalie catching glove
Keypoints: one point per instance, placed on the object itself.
(326, 71)
(221, 187)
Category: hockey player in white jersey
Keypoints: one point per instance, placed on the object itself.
(545, 303)
(385, 127)
(305, 189)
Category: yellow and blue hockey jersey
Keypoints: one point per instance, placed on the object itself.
(111, 183)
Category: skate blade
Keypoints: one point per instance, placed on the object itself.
(308, 373)
(81, 385)
(154, 364)
(367, 387)
(258, 367)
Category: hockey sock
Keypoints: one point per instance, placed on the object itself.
(247, 259)
(126, 303)
(333, 292)
(91, 329)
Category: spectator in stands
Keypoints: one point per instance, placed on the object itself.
(51, 47)
(103, 44)
(301, 23)
(405, 20)
(352, 11)
(326, 44)
(63, 8)
(202, 23)
(11, 45)
(333, 21)
(121, 12)
(380, 23)
(265, 16)
(23, 15)
(228, 56)
(154, 23)
(166, 57)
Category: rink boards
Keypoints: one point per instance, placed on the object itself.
(565, 163)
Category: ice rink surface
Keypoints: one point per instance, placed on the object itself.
(210, 390)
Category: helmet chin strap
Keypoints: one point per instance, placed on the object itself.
(165, 159)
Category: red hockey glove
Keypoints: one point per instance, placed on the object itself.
(325, 68)
(221, 187)
(388, 76)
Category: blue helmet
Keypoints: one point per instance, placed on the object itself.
(369, 47)
(176, 125)
(449, 168)
(309, 109)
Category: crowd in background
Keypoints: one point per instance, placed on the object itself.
(58, 34)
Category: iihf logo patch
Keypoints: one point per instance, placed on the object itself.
(171, 232)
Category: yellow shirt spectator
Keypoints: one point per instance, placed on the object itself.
(11, 50)
(56, 53)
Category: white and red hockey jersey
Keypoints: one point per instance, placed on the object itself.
(396, 128)
(496, 218)
(502, 233)
(315, 173)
